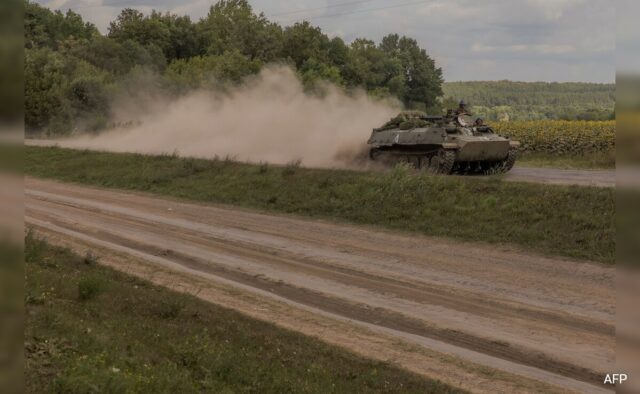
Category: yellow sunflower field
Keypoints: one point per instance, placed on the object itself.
(560, 136)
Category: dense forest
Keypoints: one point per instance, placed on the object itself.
(73, 72)
(536, 100)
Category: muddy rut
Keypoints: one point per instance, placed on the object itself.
(543, 318)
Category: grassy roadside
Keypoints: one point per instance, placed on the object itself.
(12, 312)
(92, 329)
(570, 221)
(591, 161)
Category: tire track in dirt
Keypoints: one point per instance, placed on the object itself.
(548, 283)
(378, 316)
(463, 301)
(362, 288)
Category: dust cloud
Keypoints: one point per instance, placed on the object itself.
(270, 118)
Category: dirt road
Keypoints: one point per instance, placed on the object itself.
(540, 323)
(600, 178)
(555, 176)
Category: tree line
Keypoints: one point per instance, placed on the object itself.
(73, 72)
(536, 100)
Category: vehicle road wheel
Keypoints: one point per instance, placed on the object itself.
(414, 161)
(442, 162)
(431, 164)
(511, 159)
(447, 161)
(492, 167)
(507, 164)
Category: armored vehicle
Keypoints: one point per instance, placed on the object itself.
(454, 143)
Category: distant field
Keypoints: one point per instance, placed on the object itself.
(561, 137)
(564, 144)
(569, 221)
(91, 329)
(536, 100)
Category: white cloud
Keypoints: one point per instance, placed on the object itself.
(56, 4)
(539, 48)
(448, 10)
(554, 9)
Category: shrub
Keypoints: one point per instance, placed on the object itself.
(169, 308)
(291, 167)
(90, 287)
(34, 247)
(90, 258)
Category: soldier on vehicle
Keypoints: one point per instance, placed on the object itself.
(456, 143)
(462, 108)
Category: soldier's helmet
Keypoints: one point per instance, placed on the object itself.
(462, 104)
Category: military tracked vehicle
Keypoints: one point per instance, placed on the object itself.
(454, 143)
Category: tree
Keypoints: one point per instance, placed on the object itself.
(423, 80)
(210, 71)
(101, 52)
(450, 103)
(371, 68)
(45, 81)
(74, 73)
(146, 30)
(232, 25)
(87, 93)
(184, 41)
(43, 28)
(150, 56)
(338, 52)
(175, 35)
(313, 71)
(302, 42)
(61, 91)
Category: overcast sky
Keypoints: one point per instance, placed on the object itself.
(524, 40)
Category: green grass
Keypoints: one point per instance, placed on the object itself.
(12, 311)
(571, 221)
(133, 336)
(593, 161)
(90, 287)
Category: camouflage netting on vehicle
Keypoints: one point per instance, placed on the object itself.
(406, 120)
(413, 124)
